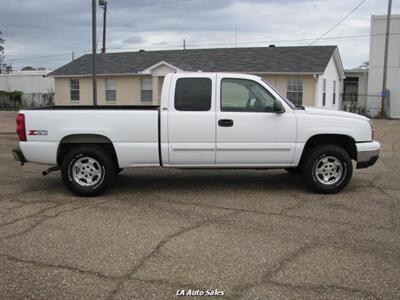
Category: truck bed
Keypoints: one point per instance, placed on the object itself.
(133, 130)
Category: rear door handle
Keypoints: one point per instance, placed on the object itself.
(225, 123)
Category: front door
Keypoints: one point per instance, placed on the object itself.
(191, 120)
(248, 131)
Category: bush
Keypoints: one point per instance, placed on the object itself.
(11, 99)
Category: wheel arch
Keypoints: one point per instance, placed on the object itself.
(344, 141)
(73, 140)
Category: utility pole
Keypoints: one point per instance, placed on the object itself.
(235, 37)
(94, 42)
(103, 4)
(184, 44)
(385, 61)
(73, 55)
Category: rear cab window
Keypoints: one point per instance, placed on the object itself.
(193, 94)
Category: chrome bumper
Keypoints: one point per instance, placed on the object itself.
(367, 154)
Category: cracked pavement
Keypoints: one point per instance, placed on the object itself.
(253, 234)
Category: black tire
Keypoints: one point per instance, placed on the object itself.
(314, 157)
(105, 167)
(293, 171)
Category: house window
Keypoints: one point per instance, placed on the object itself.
(324, 93)
(74, 89)
(295, 91)
(147, 90)
(334, 92)
(111, 90)
(193, 94)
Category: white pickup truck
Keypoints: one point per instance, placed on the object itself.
(205, 120)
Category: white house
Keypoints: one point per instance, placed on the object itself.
(376, 57)
(329, 84)
(29, 82)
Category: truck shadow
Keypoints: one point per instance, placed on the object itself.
(186, 181)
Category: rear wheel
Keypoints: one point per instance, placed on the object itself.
(88, 170)
(327, 169)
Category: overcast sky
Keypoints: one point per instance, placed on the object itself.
(43, 33)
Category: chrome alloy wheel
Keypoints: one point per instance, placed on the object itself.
(328, 170)
(86, 171)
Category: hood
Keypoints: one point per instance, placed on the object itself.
(336, 113)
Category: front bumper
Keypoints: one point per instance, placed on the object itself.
(367, 154)
(18, 155)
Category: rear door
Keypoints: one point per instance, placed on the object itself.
(249, 133)
(191, 120)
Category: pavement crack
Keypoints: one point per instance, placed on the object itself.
(57, 266)
(43, 218)
(323, 287)
(157, 248)
(285, 261)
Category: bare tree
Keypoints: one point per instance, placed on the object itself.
(364, 65)
(4, 68)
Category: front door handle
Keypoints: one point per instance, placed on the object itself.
(225, 123)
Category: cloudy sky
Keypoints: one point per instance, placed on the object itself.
(43, 33)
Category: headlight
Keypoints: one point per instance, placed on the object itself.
(372, 130)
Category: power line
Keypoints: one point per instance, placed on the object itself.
(338, 23)
(179, 46)
(42, 56)
(34, 57)
(254, 42)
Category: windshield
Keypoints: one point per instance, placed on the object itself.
(288, 102)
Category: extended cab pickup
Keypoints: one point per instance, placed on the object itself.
(205, 120)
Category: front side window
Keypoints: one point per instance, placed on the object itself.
(295, 91)
(193, 94)
(242, 95)
(111, 90)
(147, 90)
(324, 93)
(74, 89)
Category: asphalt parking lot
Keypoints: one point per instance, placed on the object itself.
(251, 234)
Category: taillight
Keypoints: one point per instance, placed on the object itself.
(372, 130)
(21, 127)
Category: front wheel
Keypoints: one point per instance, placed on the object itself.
(88, 170)
(327, 169)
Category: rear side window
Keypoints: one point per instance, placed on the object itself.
(193, 94)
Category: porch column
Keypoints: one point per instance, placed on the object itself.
(156, 97)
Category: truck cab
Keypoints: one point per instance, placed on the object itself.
(225, 120)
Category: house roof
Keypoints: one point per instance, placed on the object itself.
(305, 59)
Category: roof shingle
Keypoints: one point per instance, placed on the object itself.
(305, 59)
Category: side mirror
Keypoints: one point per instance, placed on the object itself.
(278, 107)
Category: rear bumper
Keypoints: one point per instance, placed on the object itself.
(367, 154)
(18, 155)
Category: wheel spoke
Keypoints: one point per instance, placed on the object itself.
(86, 171)
(328, 170)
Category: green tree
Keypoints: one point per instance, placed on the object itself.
(28, 68)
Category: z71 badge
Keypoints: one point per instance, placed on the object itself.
(37, 132)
